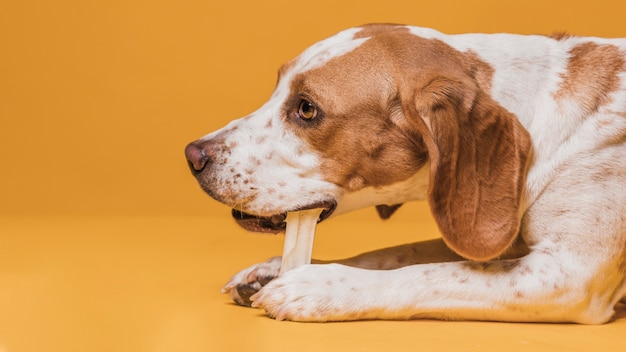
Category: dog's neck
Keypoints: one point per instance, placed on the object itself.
(411, 189)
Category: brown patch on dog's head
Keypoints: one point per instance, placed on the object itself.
(592, 74)
(355, 131)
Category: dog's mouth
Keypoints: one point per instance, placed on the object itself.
(276, 223)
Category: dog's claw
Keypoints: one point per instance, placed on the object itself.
(246, 283)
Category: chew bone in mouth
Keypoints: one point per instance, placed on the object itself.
(299, 238)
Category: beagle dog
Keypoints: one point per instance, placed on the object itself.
(517, 143)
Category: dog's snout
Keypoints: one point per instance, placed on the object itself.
(197, 156)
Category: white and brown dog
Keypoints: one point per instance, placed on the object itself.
(518, 143)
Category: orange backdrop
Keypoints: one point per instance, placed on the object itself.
(98, 98)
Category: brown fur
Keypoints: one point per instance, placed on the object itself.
(560, 35)
(478, 153)
(358, 146)
(592, 74)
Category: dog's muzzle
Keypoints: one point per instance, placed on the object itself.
(201, 154)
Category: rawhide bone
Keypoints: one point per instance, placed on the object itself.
(299, 236)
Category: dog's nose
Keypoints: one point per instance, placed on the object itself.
(197, 156)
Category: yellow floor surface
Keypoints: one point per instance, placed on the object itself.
(152, 284)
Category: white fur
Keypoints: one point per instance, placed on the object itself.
(412, 189)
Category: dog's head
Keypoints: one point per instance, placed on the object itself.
(374, 115)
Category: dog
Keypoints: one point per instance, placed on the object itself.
(517, 143)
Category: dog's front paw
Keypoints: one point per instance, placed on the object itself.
(320, 293)
(250, 280)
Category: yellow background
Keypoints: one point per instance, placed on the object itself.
(99, 98)
(107, 243)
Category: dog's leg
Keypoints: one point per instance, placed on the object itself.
(250, 280)
(535, 288)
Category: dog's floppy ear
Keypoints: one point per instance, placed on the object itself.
(478, 155)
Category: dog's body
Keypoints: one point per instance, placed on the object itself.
(518, 143)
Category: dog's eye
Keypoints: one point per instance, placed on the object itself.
(307, 110)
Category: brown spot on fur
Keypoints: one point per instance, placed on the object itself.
(503, 266)
(355, 183)
(526, 270)
(561, 211)
(255, 161)
(592, 74)
(560, 36)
